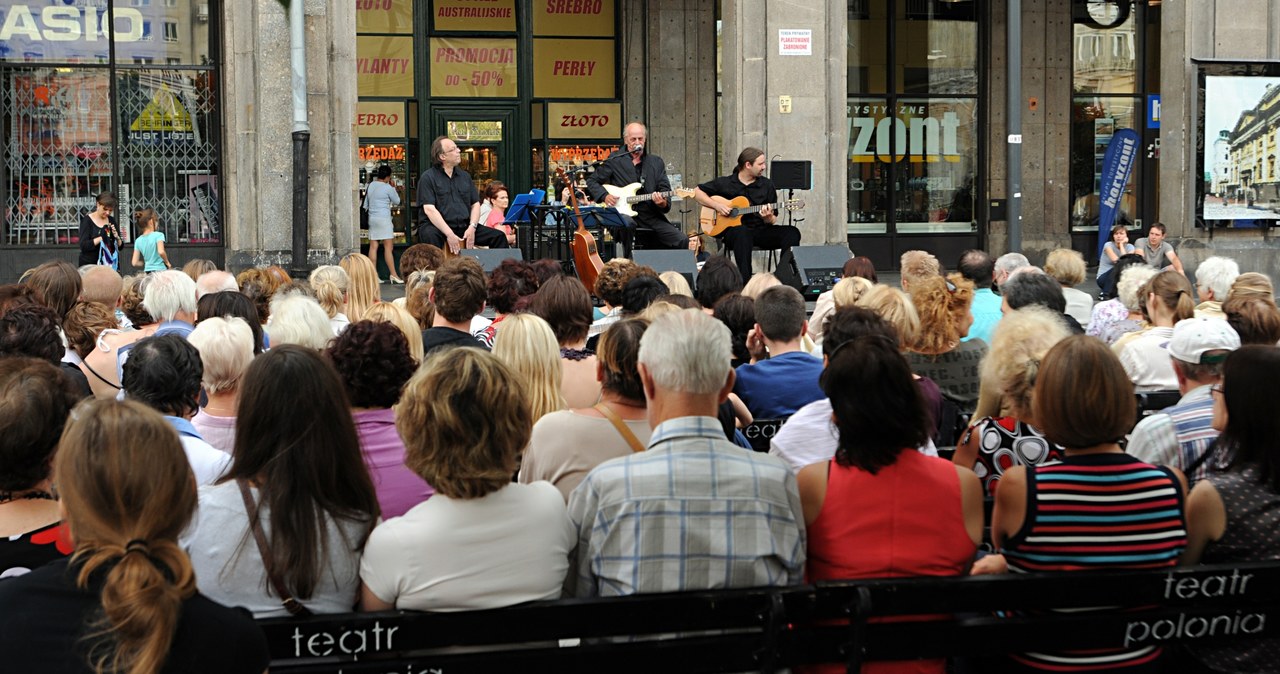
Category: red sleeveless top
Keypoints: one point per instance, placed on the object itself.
(905, 520)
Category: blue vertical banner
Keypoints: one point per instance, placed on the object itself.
(1117, 166)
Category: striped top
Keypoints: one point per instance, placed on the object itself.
(1098, 511)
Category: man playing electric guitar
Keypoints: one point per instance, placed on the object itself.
(747, 180)
(632, 164)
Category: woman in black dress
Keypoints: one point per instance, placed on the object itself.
(96, 227)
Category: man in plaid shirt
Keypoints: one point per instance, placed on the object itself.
(694, 511)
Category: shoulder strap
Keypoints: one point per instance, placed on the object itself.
(290, 604)
(619, 424)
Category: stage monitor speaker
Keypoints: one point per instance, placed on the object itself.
(792, 175)
(819, 268)
(490, 258)
(680, 261)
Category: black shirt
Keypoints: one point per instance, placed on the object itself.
(89, 230)
(619, 170)
(45, 618)
(453, 197)
(760, 191)
(441, 337)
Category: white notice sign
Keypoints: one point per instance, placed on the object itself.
(793, 42)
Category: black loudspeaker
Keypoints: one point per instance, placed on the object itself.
(817, 268)
(490, 258)
(681, 261)
(792, 175)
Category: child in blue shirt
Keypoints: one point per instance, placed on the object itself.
(148, 248)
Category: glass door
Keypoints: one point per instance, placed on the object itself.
(486, 138)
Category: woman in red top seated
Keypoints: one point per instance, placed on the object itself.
(35, 399)
(882, 509)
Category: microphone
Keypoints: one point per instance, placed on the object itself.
(637, 147)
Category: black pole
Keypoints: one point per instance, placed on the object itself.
(1013, 105)
(301, 148)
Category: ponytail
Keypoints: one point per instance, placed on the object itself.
(1173, 290)
(142, 597)
(144, 217)
(330, 284)
(128, 492)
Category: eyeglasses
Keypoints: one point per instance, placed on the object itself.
(1216, 388)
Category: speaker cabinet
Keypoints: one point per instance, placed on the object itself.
(490, 258)
(680, 261)
(792, 175)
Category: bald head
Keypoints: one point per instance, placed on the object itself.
(101, 284)
(215, 281)
(634, 137)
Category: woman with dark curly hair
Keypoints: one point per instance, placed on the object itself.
(259, 287)
(373, 362)
(36, 400)
(511, 285)
(609, 286)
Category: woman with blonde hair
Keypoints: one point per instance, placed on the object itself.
(676, 283)
(1252, 284)
(993, 444)
(759, 283)
(226, 350)
(526, 344)
(894, 306)
(937, 352)
(330, 284)
(362, 292)
(386, 312)
(482, 541)
(296, 318)
(1066, 266)
(126, 601)
(1169, 299)
(618, 423)
(844, 294)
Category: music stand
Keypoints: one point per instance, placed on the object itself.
(610, 217)
(518, 211)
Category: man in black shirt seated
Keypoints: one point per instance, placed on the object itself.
(633, 164)
(450, 203)
(747, 180)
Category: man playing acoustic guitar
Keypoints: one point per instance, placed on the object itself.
(633, 164)
(747, 180)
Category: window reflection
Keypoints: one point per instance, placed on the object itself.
(1106, 58)
(1094, 123)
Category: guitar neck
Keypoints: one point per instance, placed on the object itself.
(781, 205)
(648, 197)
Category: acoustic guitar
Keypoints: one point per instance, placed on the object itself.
(714, 224)
(627, 195)
(586, 259)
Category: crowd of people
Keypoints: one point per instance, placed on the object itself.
(185, 450)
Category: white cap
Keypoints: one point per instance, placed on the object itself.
(1194, 337)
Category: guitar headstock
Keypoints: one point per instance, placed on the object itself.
(793, 205)
(683, 192)
(564, 178)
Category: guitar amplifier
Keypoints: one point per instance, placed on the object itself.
(817, 268)
(490, 258)
(679, 261)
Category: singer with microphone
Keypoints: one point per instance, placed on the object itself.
(632, 164)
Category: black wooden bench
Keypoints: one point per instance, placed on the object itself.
(766, 629)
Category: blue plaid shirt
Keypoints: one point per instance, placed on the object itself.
(693, 512)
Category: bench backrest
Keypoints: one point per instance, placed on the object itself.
(769, 628)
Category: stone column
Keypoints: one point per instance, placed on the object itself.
(755, 77)
(669, 83)
(258, 125)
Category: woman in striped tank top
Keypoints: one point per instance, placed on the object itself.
(1099, 508)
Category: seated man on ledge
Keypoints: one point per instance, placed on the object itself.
(450, 204)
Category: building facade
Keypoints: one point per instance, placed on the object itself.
(899, 105)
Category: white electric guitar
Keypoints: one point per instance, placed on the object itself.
(627, 196)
